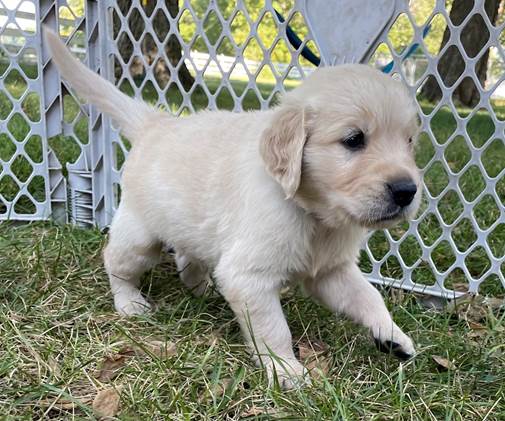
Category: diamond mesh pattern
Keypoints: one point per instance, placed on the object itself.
(154, 45)
(453, 243)
(194, 54)
(24, 175)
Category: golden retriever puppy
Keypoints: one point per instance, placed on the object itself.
(261, 199)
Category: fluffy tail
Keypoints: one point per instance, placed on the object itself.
(127, 112)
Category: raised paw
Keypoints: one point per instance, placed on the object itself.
(394, 341)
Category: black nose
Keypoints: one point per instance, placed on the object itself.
(402, 191)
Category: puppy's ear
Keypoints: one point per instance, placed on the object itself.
(282, 145)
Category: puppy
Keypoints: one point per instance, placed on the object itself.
(260, 199)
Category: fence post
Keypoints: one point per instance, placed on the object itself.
(52, 111)
(100, 129)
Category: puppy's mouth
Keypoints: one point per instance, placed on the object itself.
(385, 218)
(390, 216)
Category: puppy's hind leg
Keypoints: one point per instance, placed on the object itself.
(193, 273)
(131, 251)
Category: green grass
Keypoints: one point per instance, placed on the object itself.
(57, 322)
(57, 325)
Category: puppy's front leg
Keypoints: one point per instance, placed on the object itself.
(345, 290)
(256, 304)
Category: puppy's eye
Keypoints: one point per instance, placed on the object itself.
(355, 141)
(410, 141)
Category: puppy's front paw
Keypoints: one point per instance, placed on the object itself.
(394, 341)
(290, 374)
(128, 305)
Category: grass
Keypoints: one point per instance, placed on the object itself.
(57, 323)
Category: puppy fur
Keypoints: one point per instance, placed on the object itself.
(260, 199)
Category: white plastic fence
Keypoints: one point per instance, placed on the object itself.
(62, 160)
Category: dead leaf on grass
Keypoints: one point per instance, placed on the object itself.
(313, 354)
(112, 364)
(476, 326)
(162, 349)
(106, 402)
(478, 330)
(110, 367)
(443, 364)
(474, 308)
(219, 389)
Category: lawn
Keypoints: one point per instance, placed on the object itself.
(58, 326)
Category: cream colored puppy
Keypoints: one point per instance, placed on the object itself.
(260, 199)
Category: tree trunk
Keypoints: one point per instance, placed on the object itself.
(450, 66)
(161, 26)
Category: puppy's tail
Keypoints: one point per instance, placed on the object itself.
(126, 111)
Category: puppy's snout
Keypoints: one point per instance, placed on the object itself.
(402, 191)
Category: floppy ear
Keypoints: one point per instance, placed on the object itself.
(281, 147)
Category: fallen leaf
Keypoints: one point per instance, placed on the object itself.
(162, 349)
(476, 334)
(314, 356)
(219, 389)
(106, 402)
(476, 326)
(443, 363)
(128, 351)
(478, 330)
(472, 307)
(110, 367)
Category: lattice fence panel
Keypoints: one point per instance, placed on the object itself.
(189, 55)
(155, 46)
(457, 242)
(31, 186)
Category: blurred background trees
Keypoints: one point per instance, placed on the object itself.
(473, 37)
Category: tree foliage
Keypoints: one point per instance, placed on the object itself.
(451, 65)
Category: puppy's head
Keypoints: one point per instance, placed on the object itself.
(341, 145)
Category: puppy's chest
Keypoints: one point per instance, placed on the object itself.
(330, 248)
